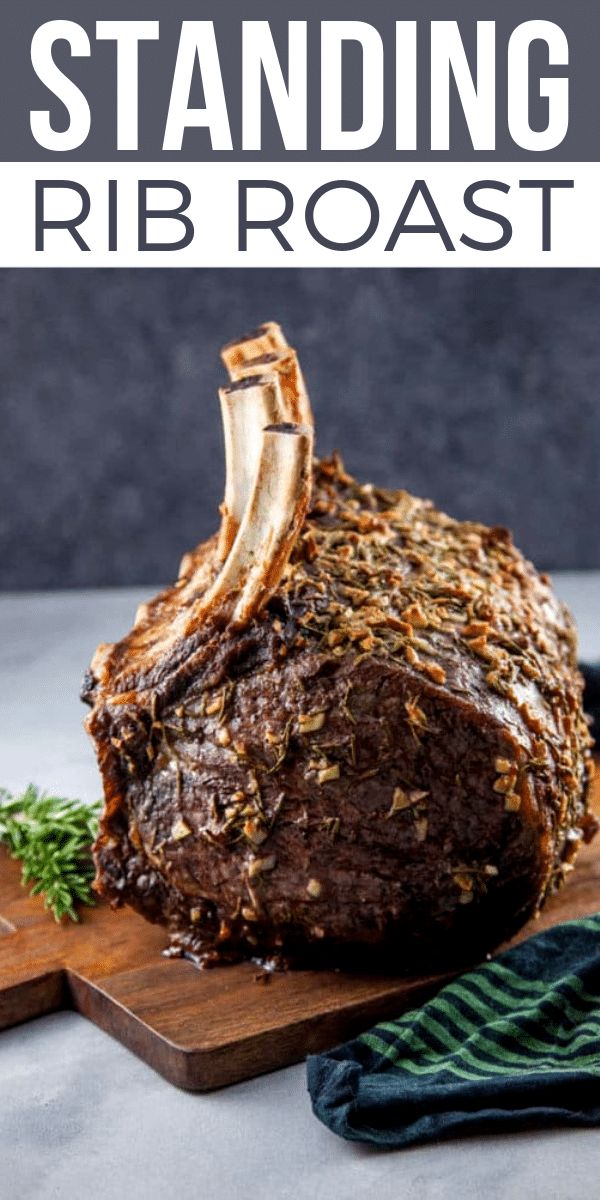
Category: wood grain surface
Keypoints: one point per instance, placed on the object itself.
(205, 1029)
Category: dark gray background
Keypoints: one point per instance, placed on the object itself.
(21, 91)
(477, 388)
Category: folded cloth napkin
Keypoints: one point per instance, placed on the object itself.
(510, 1045)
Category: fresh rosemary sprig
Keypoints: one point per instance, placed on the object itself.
(52, 838)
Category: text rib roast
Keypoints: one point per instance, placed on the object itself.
(352, 725)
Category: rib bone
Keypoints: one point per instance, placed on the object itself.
(269, 477)
(267, 339)
(246, 408)
(264, 357)
(268, 530)
(293, 387)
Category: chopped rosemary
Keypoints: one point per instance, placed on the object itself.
(52, 838)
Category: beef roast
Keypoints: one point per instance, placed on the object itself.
(353, 725)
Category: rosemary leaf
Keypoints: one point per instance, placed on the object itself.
(52, 838)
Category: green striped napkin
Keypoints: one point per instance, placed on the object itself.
(511, 1045)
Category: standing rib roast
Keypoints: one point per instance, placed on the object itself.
(352, 725)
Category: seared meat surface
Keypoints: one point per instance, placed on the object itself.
(385, 753)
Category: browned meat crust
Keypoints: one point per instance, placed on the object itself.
(391, 756)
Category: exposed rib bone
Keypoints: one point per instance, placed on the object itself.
(246, 408)
(268, 530)
(263, 355)
(267, 339)
(293, 388)
(269, 477)
(275, 514)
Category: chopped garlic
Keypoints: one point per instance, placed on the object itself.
(311, 722)
(180, 830)
(326, 774)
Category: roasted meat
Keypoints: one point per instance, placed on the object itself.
(352, 728)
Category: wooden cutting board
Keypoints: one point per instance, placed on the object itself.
(204, 1029)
